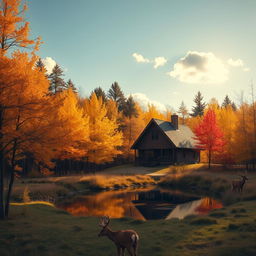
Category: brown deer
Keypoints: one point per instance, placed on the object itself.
(123, 239)
(237, 185)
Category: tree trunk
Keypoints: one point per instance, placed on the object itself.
(1, 185)
(1, 166)
(8, 196)
(209, 159)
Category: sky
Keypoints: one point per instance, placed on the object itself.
(160, 51)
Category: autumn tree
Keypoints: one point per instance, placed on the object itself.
(105, 139)
(129, 111)
(116, 94)
(183, 111)
(14, 29)
(198, 109)
(227, 119)
(208, 135)
(13, 33)
(152, 112)
(57, 83)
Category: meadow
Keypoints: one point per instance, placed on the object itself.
(41, 229)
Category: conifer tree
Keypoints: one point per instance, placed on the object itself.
(100, 93)
(40, 65)
(57, 84)
(130, 111)
(226, 102)
(115, 93)
(71, 85)
(198, 109)
(129, 108)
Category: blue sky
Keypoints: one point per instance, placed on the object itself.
(203, 45)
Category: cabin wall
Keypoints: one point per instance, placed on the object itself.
(187, 156)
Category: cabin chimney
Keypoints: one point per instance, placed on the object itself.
(175, 121)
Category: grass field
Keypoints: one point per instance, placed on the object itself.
(45, 230)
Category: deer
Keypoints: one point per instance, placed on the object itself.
(123, 239)
(237, 185)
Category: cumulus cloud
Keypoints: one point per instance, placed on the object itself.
(49, 64)
(159, 61)
(144, 101)
(235, 63)
(200, 67)
(139, 58)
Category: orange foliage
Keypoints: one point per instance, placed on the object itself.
(14, 29)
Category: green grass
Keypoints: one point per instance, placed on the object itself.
(46, 231)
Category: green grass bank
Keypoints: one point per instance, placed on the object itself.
(46, 231)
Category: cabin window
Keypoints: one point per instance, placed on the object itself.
(154, 135)
(184, 154)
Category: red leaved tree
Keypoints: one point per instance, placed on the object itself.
(208, 135)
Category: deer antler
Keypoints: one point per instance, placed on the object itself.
(104, 221)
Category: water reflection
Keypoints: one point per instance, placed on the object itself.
(140, 204)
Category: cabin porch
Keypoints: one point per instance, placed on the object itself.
(153, 157)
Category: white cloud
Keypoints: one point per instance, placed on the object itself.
(144, 101)
(235, 63)
(200, 67)
(139, 58)
(159, 61)
(49, 64)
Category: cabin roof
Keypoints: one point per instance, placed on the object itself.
(181, 138)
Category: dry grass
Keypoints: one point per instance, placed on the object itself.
(115, 182)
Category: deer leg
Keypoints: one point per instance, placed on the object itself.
(122, 250)
(130, 251)
(118, 251)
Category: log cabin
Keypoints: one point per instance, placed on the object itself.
(163, 142)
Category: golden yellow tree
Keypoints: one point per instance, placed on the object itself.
(105, 139)
(14, 30)
(227, 119)
(133, 126)
(152, 112)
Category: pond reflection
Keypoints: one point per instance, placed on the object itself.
(140, 204)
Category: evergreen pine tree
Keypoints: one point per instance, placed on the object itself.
(198, 109)
(71, 85)
(233, 105)
(115, 93)
(226, 102)
(40, 65)
(129, 108)
(57, 84)
(100, 93)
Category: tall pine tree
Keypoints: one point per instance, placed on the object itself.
(198, 109)
(226, 102)
(115, 93)
(100, 93)
(57, 83)
(71, 85)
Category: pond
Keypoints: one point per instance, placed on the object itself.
(140, 204)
